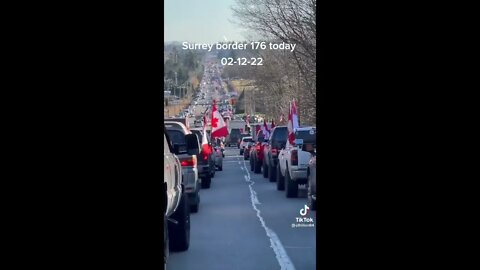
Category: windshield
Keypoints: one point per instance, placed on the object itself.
(308, 136)
(176, 136)
(280, 135)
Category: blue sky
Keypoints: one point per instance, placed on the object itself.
(200, 21)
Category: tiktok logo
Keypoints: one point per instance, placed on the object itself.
(304, 211)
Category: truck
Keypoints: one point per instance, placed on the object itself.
(178, 134)
(293, 160)
(176, 211)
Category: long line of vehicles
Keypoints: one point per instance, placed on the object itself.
(190, 167)
(289, 165)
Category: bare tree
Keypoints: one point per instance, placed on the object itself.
(285, 75)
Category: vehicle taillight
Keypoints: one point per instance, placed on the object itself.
(189, 162)
(274, 151)
(294, 157)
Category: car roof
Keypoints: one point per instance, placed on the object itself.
(305, 128)
(177, 125)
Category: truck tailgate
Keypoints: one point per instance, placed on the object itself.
(303, 158)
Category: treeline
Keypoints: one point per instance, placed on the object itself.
(186, 63)
(284, 75)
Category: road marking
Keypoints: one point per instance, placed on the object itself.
(275, 244)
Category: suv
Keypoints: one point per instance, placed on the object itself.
(293, 160)
(176, 232)
(233, 137)
(206, 163)
(177, 133)
(277, 141)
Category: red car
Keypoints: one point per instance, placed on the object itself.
(257, 154)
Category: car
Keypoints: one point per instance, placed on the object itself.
(312, 182)
(233, 137)
(206, 161)
(176, 212)
(178, 134)
(293, 160)
(277, 140)
(244, 142)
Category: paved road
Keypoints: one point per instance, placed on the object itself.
(245, 223)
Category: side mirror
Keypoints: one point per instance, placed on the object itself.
(180, 149)
(192, 144)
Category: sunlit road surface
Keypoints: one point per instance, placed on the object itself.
(245, 223)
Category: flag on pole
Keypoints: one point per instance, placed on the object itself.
(219, 128)
(272, 125)
(205, 147)
(292, 122)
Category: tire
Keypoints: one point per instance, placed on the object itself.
(194, 207)
(265, 171)
(206, 181)
(180, 233)
(256, 167)
(245, 157)
(212, 172)
(280, 179)
(220, 168)
(291, 186)
(271, 174)
(241, 152)
(251, 164)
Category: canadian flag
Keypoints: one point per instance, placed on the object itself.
(205, 147)
(292, 122)
(219, 128)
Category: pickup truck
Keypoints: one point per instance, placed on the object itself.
(277, 140)
(293, 160)
(176, 211)
(177, 133)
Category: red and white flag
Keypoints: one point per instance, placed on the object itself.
(219, 128)
(205, 147)
(292, 122)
